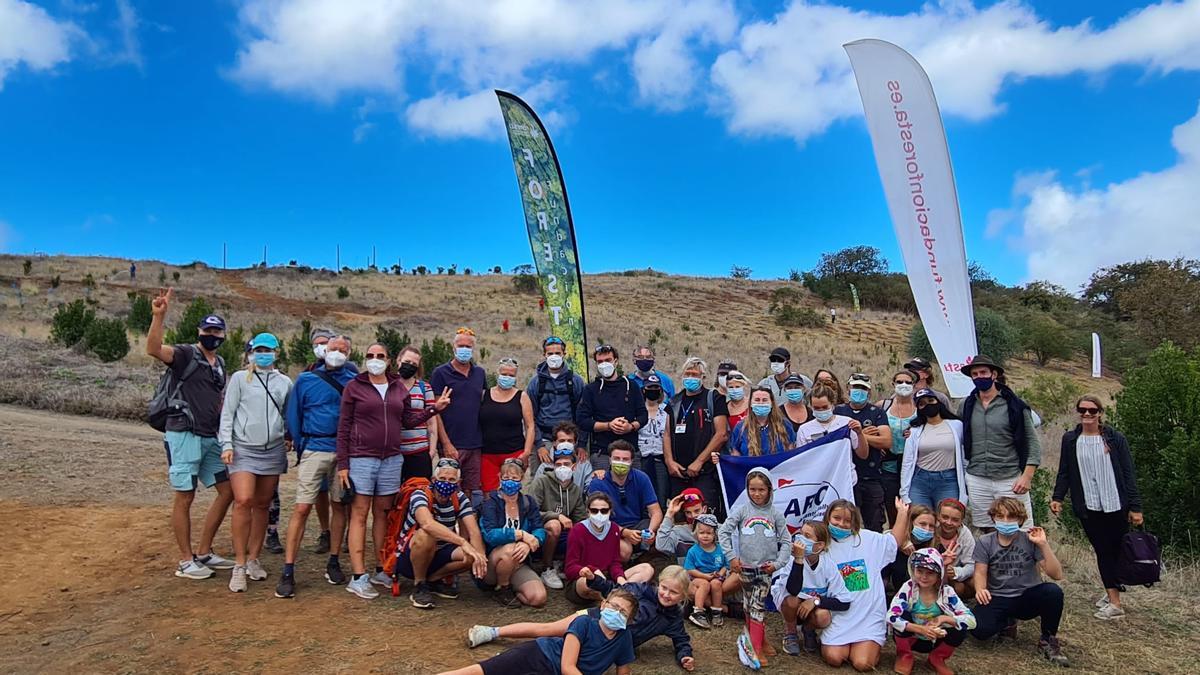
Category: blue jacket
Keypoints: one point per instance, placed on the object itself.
(313, 407)
(551, 399)
(667, 385)
(652, 618)
(492, 522)
(604, 401)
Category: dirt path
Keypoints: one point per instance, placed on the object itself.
(88, 588)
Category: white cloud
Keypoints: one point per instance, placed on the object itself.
(131, 46)
(1069, 233)
(31, 37)
(477, 115)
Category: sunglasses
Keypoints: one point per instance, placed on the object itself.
(776, 359)
(598, 511)
(373, 355)
(447, 461)
(465, 331)
(513, 462)
(903, 382)
(604, 349)
(563, 452)
(1087, 411)
(552, 340)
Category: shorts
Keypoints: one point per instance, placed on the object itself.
(417, 465)
(981, 492)
(260, 462)
(527, 658)
(520, 576)
(193, 459)
(376, 477)
(489, 469)
(443, 555)
(317, 470)
(468, 463)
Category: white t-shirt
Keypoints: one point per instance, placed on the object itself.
(824, 580)
(812, 430)
(860, 560)
(381, 388)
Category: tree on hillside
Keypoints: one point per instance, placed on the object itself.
(739, 272)
(994, 334)
(185, 330)
(852, 263)
(979, 277)
(1045, 338)
(1045, 296)
(1105, 284)
(1165, 305)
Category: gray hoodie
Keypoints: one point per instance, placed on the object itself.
(249, 418)
(762, 534)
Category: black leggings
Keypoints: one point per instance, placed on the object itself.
(1044, 600)
(1105, 531)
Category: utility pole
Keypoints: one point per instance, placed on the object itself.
(224, 255)
(264, 255)
(373, 258)
(338, 268)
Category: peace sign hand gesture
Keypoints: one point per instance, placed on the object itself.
(443, 401)
(158, 306)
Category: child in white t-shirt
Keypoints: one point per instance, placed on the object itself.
(810, 590)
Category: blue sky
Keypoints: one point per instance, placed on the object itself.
(693, 134)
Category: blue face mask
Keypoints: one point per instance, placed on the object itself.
(510, 487)
(921, 534)
(838, 533)
(613, 619)
(264, 359)
(983, 383)
(506, 381)
(859, 395)
(463, 354)
(823, 415)
(736, 394)
(691, 384)
(761, 409)
(444, 488)
(794, 395)
(808, 544)
(1008, 529)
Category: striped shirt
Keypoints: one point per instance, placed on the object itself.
(1096, 474)
(442, 513)
(415, 441)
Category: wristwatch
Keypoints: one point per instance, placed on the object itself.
(817, 601)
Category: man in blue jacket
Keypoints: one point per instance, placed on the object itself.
(612, 407)
(555, 391)
(312, 421)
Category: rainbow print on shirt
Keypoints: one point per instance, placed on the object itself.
(767, 524)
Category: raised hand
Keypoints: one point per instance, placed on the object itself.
(443, 401)
(158, 306)
(1037, 535)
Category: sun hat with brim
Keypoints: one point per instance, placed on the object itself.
(734, 375)
(982, 360)
(264, 340)
(708, 519)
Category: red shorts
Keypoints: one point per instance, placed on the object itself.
(489, 469)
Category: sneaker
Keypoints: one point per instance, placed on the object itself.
(215, 562)
(810, 641)
(322, 543)
(382, 579)
(286, 588)
(272, 544)
(1103, 601)
(444, 589)
(746, 654)
(480, 635)
(334, 573)
(1052, 650)
(1109, 612)
(237, 580)
(505, 597)
(791, 644)
(717, 619)
(550, 578)
(421, 597)
(255, 571)
(361, 586)
(699, 618)
(193, 569)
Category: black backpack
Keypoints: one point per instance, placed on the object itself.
(1140, 563)
(166, 401)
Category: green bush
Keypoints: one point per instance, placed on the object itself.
(1052, 396)
(1045, 338)
(106, 339)
(787, 314)
(392, 339)
(27, 266)
(525, 283)
(436, 353)
(185, 331)
(343, 292)
(299, 347)
(70, 323)
(233, 349)
(140, 313)
(995, 335)
(55, 281)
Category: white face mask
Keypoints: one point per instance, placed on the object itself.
(606, 368)
(563, 472)
(778, 368)
(555, 361)
(598, 519)
(319, 351)
(904, 390)
(376, 366)
(721, 380)
(335, 359)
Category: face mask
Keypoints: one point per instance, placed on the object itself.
(859, 395)
(808, 544)
(510, 487)
(211, 342)
(612, 619)
(463, 354)
(620, 468)
(983, 383)
(736, 393)
(444, 488)
(652, 394)
(904, 389)
(644, 365)
(335, 359)
(599, 520)
(606, 369)
(407, 370)
(319, 351)
(921, 534)
(506, 381)
(376, 366)
(563, 473)
(929, 410)
(777, 368)
(691, 384)
(1007, 529)
(838, 533)
(721, 380)
(794, 395)
(761, 409)
(554, 361)
(264, 359)
(823, 415)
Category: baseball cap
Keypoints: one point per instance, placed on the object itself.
(782, 352)
(734, 375)
(725, 366)
(264, 340)
(692, 496)
(793, 379)
(653, 379)
(859, 380)
(708, 519)
(917, 363)
(212, 321)
(925, 393)
(321, 333)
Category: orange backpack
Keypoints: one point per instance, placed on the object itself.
(397, 537)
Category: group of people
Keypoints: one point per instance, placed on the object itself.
(581, 486)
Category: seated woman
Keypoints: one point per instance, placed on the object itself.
(589, 645)
(513, 532)
(659, 612)
(594, 549)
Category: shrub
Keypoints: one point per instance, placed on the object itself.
(529, 321)
(175, 275)
(89, 282)
(106, 339)
(496, 269)
(1045, 338)
(995, 336)
(162, 277)
(299, 348)
(343, 292)
(525, 283)
(1051, 396)
(185, 330)
(788, 314)
(140, 313)
(233, 349)
(55, 281)
(27, 266)
(739, 272)
(436, 353)
(393, 340)
(70, 322)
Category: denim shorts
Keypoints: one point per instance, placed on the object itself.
(193, 459)
(376, 477)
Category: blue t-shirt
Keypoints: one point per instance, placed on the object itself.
(597, 653)
(629, 501)
(461, 417)
(705, 561)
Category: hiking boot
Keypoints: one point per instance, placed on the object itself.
(505, 597)
(322, 542)
(810, 641)
(716, 618)
(255, 571)
(421, 597)
(444, 589)
(272, 544)
(382, 579)
(480, 635)
(193, 569)
(1010, 631)
(1109, 612)
(286, 588)
(237, 580)
(699, 618)
(215, 562)
(361, 586)
(1052, 650)
(550, 578)
(334, 573)
(791, 644)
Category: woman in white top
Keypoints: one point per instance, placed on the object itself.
(933, 462)
(654, 437)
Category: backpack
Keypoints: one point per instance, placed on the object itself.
(572, 395)
(397, 537)
(166, 402)
(1140, 562)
